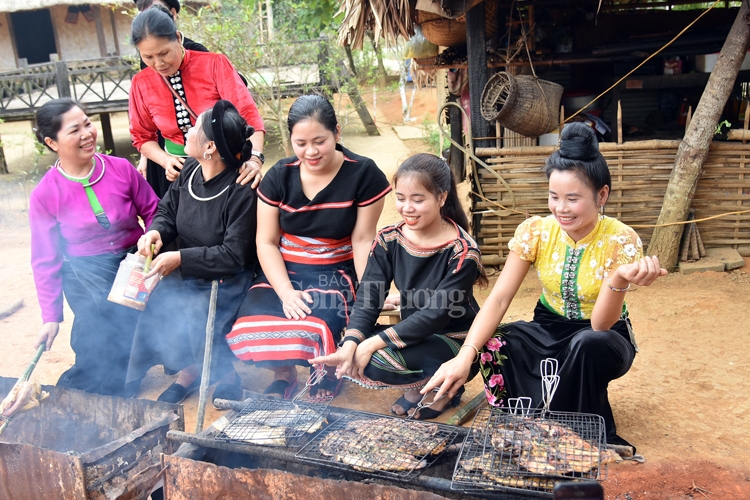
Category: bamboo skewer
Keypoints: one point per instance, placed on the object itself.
(15, 306)
(24, 378)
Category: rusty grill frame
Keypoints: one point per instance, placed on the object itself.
(478, 447)
(295, 431)
(390, 457)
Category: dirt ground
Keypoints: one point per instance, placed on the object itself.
(682, 404)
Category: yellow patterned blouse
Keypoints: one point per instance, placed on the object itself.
(572, 273)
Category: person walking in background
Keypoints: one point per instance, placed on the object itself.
(84, 220)
(434, 263)
(586, 263)
(317, 220)
(177, 85)
(215, 220)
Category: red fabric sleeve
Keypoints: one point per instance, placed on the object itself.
(231, 88)
(142, 127)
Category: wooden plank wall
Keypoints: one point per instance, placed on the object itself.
(640, 173)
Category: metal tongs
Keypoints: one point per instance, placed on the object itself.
(422, 404)
(315, 378)
(519, 406)
(550, 381)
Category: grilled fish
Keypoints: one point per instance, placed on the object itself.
(257, 434)
(383, 444)
(272, 427)
(297, 417)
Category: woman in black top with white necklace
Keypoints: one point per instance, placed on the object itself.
(215, 219)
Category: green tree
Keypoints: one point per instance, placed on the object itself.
(232, 29)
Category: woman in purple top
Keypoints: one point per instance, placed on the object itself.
(84, 220)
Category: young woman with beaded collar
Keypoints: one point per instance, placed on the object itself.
(84, 220)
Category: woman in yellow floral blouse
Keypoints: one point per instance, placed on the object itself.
(586, 263)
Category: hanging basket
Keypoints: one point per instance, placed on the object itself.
(441, 31)
(452, 32)
(523, 104)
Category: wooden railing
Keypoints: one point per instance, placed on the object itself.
(101, 84)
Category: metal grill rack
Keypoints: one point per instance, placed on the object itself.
(278, 422)
(379, 445)
(525, 450)
(529, 453)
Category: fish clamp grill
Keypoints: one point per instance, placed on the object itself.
(520, 449)
(379, 445)
(279, 422)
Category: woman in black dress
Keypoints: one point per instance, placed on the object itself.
(319, 210)
(215, 220)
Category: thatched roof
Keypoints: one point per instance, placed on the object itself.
(17, 5)
(389, 19)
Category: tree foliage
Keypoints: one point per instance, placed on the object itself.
(233, 28)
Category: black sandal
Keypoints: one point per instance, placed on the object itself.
(282, 387)
(330, 384)
(177, 393)
(428, 413)
(405, 404)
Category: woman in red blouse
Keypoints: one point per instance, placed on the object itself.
(176, 87)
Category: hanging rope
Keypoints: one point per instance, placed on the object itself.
(642, 63)
(470, 154)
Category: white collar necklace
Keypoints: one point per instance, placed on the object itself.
(59, 168)
(190, 188)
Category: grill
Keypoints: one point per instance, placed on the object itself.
(379, 446)
(279, 422)
(529, 451)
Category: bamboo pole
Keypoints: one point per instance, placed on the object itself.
(607, 147)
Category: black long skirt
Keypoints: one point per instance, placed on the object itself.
(102, 332)
(172, 330)
(156, 176)
(588, 361)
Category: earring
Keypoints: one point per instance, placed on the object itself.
(206, 156)
(601, 210)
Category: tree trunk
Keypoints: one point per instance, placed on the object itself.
(378, 54)
(693, 149)
(350, 87)
(350, 57)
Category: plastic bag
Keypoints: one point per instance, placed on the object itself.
(418, 46)
(130, 289)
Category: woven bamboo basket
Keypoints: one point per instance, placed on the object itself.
(452, 32)
(523, 104)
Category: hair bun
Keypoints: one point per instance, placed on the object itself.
(248, 131)
(578, 142)
(163, 9)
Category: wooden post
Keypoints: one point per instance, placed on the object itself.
(457, 161)
(62, 79)
(3, 163)
(96, 9)
(109, 139)
(693, 149)
(477, 54)
(114, 31)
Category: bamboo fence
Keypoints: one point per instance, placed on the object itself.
(640, 172)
